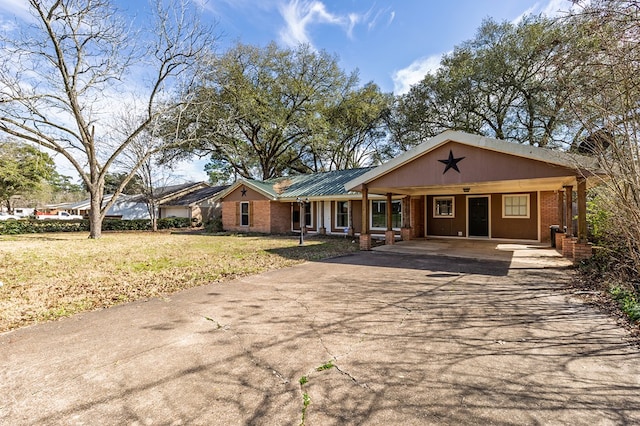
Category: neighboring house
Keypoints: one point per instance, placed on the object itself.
(455, 185)
(192, 200)
(127, 207)
(202, 204)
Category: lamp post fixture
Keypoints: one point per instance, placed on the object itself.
(301, 202)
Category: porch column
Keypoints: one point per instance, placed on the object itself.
(568, 198)
(389, 237)
(582, 249)
(405, 232)
(322, 230)
(561, 210)
(582, 210)
(365, 236)
(560, 235)
(351, 232)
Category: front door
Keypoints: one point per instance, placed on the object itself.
(478, 216)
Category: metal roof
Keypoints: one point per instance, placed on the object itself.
(314, 184)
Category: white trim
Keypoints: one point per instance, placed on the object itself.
(312, 204)
(248, 213)
(504, 198)
(371, 227)
(335, 214)
(488, 197)
(453, 206)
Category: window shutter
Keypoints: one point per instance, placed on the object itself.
(237, 213)
(250, 214)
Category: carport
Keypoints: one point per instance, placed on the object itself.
(462, 186)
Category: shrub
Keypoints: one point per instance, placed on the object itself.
(13, 227)
(214, 225)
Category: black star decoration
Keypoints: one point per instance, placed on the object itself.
(244, 191)
(451, 163)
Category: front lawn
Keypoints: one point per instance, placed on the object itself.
(49, 276)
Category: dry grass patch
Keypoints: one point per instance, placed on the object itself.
(49, 276)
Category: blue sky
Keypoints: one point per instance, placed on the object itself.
(393, 43)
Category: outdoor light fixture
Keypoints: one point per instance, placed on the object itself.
(466, 189)
(301, 202)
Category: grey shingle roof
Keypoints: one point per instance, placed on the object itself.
(195, 196)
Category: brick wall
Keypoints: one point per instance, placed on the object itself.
(280, 217)
(229, 221)
(549, 214)
(259, 216)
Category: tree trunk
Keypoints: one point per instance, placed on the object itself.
(154, 217)
(95, 216)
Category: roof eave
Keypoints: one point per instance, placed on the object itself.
(526, 151)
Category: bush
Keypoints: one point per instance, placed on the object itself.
(627, 300)
(13, 227)
(214, 225)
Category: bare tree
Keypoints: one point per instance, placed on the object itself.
(607, 105)
(64, 73)
(153, 173)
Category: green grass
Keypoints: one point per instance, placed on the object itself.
(327, 366)
(49, 276)
(627, 300)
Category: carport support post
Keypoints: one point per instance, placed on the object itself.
(365, 236)
(568, 192)
(582, 211)
(582, 248)
(351, 231)
(405, 232)
(389, 237)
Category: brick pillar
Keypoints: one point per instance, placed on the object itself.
(365, 241)
(582, 251)
(389, 237)
(567, 246)
(405, 234)
(559, 239)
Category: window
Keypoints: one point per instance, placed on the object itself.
(444, 207)
(244, 214)
(342, 214)
(379, 214)
(516, 206)
(307, 214)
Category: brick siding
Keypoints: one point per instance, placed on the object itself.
(549, 214)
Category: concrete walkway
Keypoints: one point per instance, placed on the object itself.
(404, 339)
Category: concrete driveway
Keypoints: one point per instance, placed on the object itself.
(404, 338)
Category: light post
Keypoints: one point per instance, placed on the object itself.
(301, 202)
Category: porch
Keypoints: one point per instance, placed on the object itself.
(521, 255)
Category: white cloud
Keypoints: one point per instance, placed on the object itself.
(404, 78)
(392, 16)
(354, 18)
(299, 15)
(551, 9)
(18, 8)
